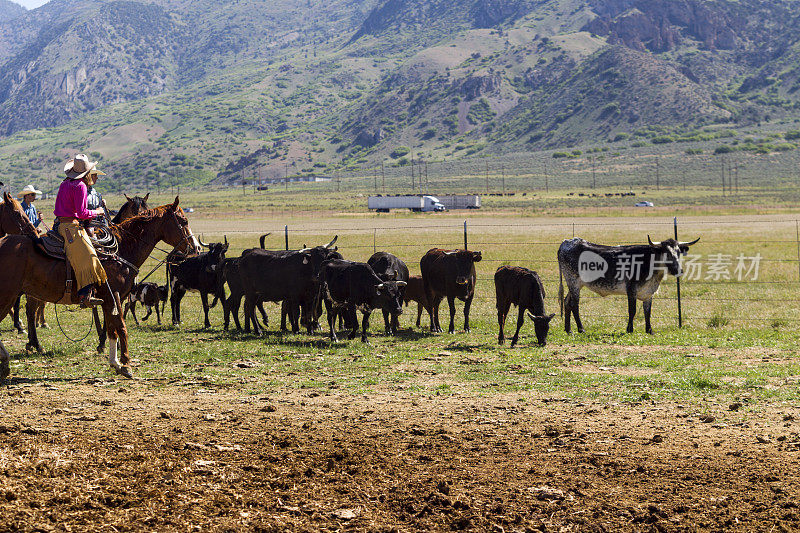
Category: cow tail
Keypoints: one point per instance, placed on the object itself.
(561, 290)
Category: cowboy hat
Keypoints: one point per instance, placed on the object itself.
(79, 166)
(29, 189)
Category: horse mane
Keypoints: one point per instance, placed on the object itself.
(134, 226)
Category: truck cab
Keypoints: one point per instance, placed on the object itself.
(433, 204)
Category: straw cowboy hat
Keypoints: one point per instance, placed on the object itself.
(78, 167)
(29, 189)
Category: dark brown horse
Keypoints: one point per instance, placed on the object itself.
(14, 221)
(132, 207)
(44, 278)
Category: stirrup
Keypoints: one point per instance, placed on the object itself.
(90, 301)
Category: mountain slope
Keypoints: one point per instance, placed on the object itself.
(10, 10)
(237, 88)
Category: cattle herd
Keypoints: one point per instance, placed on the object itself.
(306, 280)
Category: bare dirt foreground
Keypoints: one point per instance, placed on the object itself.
(131, 456)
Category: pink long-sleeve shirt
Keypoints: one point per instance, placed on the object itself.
(71, 201)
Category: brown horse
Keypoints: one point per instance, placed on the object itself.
(132, 207)
(44, 278)
(14, 221)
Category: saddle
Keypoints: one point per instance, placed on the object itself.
(51, 244)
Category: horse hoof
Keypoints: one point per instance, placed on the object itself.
(125, 371)
(33, 348)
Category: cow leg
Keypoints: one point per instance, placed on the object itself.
(175, 303)
(395, 324)
(264, 317)
(436, 313)
(158, 314)
(149, 312)
(647, 306)
(520, 322)
(133, 312)
(419, 313)
(331, 320)
(386, 324)
(572, 303)
(232, 308)
(434, 307)
(204, 299)
(33, 338)
(353, 319)
(451, 303)
(467, 307)
(631, 310)
(249, 315)
(364, 327)
(502, 313)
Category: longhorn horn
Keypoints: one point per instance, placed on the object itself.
(330, 244)
(263, 238)
(653, 243)
(689, 243)
(226, 240)
(204, 245)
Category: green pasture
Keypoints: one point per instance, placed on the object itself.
(739, 339)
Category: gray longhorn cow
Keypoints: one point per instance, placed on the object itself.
(635, 271)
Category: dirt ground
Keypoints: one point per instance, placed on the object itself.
(130, 456)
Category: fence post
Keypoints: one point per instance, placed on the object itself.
(374, 239)
(680, 310)
(286, 234)
(797, 229)
(465, 235)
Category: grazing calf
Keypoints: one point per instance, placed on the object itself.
(523, 288)
(635, 271)
(449, 274)
(389, 267)
(197, 273)
(150, 295)
(415, 292)
(351, 285)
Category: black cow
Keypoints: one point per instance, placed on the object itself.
(196, 273)
(229, 274)
(149, 295)
(523, 288)
(389, 267)
(415, 292)
(351, 285)
(450, 274)
(275, 276)
(634, 270)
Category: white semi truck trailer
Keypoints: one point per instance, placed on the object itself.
(382, 204)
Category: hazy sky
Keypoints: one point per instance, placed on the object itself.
(30, 4)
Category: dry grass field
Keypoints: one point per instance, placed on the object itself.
(690, 429)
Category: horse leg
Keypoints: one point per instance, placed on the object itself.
(41, 321)
(101, 330)
(15, 316)
(118, 342)
(31, 306)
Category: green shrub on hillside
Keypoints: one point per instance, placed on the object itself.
(400, 151)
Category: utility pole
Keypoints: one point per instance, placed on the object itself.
(723, 177)
(427, 183)
(503, 170)
(658, 174)
(487, 177)
(413, 185)
(546, 178)
(383, 178)
(594, 174)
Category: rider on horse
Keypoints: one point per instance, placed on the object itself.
(71, 210)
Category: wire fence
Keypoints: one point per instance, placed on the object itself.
(766, 295)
